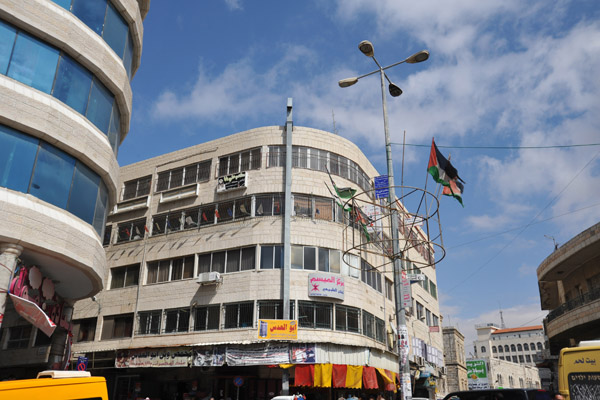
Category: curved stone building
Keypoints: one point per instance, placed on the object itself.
(569, 282)
(65, 107)
(196, 289)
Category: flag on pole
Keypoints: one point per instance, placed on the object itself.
(444, 173)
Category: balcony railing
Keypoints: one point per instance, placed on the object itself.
(574, 303)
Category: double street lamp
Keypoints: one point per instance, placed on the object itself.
(366, 48)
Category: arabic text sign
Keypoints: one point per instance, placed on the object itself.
(326, 285)
(33, 314)
(230, 182)
(477, 374)
(282, 329)
(166, 357)
(382, 190)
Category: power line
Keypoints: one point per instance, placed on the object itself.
(519, 227)
(526, 226)
(501, 147)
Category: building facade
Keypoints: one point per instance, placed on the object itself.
(196, 287)
(454, 358)
(65, 106)
(569, 283)
(511, 355)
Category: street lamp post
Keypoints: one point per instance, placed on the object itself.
(367, 49)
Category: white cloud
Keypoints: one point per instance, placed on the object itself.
(234, 4)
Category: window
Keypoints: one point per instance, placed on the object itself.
(271, 257)
(528, 358)
(107, 235)
(271, 204)
(177, 320)
(539, 346)
(297, 257)
(379, 330)
(273, 309)
(131, 230)
(33, 62)
(170, 270)
(233, 260)
(334, 260)
(500, 349)
(315, 315)
(245, 161)
(347, 318)
(513, 347)
(117, 326)
(182, 176)
(302, 206)
(323, 208)
(389, 289)
(239, 315)
(370, 275)
(18, 337)
(149, 322)
(526, 347)
(433, 289)
(532, 346)
(521, 359)
(41, 339)
(435, 320)
(136, 188)
(207, 318)
(368, 324)
(310, 258)
(420, 310)
(514, 359)
(519, 347)
(494, 349)
(483, 349)
(506, 348)
(276, 156)
(121, 277)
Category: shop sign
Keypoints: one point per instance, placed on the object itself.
(231, 182)
(303, 354)
(477, 375)
(277, 329)
(382, 190)
(209, 357)
(405, 292)
(326, 285)
(32, 313)
(144, 358)
(266, 354)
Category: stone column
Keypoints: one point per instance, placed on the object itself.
(59, 340)
(9, 254)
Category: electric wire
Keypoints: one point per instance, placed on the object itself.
(526, 226)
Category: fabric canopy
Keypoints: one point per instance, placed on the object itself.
(344, 376)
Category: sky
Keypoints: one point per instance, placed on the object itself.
(504, 78)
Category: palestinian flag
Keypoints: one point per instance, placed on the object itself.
(444, 173)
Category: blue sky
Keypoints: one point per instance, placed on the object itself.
(506, 73)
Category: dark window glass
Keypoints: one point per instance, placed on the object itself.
(191, 218)
(207, 318)
(73, 84)
(100, 106)
(323, 259)
(91, 13)
(204, 263)
(84, 330)
(266, 257)
(7, 41)
(278, 256)
(177, 320)
(52, 177)
(107, 235)
(149, 322)
(218, 262)
(234, 164)
(18, 337)
(17, 155)
(310, 261)
(101, 204)
(115, 31)
(124, 276)
(233, 261)
(84, 193)
(33, 63)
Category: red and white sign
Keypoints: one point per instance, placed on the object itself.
(34, 314)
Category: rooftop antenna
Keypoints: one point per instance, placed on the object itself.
(333, 118)
(502, 325)
(553, 241)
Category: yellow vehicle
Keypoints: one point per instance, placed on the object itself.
(56, 385)
(579, 371)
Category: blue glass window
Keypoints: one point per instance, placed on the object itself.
(101, 205)
(66, 4)
(33, 63)
(73, 83)
(115, 31)
(114, 135)
(100, 106)
(84, 193)
(128, 57)
(7, 41)
(17, 155)
(53, 174)
(91, 13)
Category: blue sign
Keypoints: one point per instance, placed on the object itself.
(238, 381)
(382, 184)
(82, 363)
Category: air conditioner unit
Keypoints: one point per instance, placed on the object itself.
(208, 278)
(419, 360)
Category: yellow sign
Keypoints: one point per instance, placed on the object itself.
(273, 329)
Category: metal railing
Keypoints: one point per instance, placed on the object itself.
(572, 304)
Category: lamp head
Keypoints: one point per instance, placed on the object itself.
(366, 48)
(418, 57)
(347, 82)
(395, 91)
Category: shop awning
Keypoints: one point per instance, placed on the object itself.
(344, 376)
